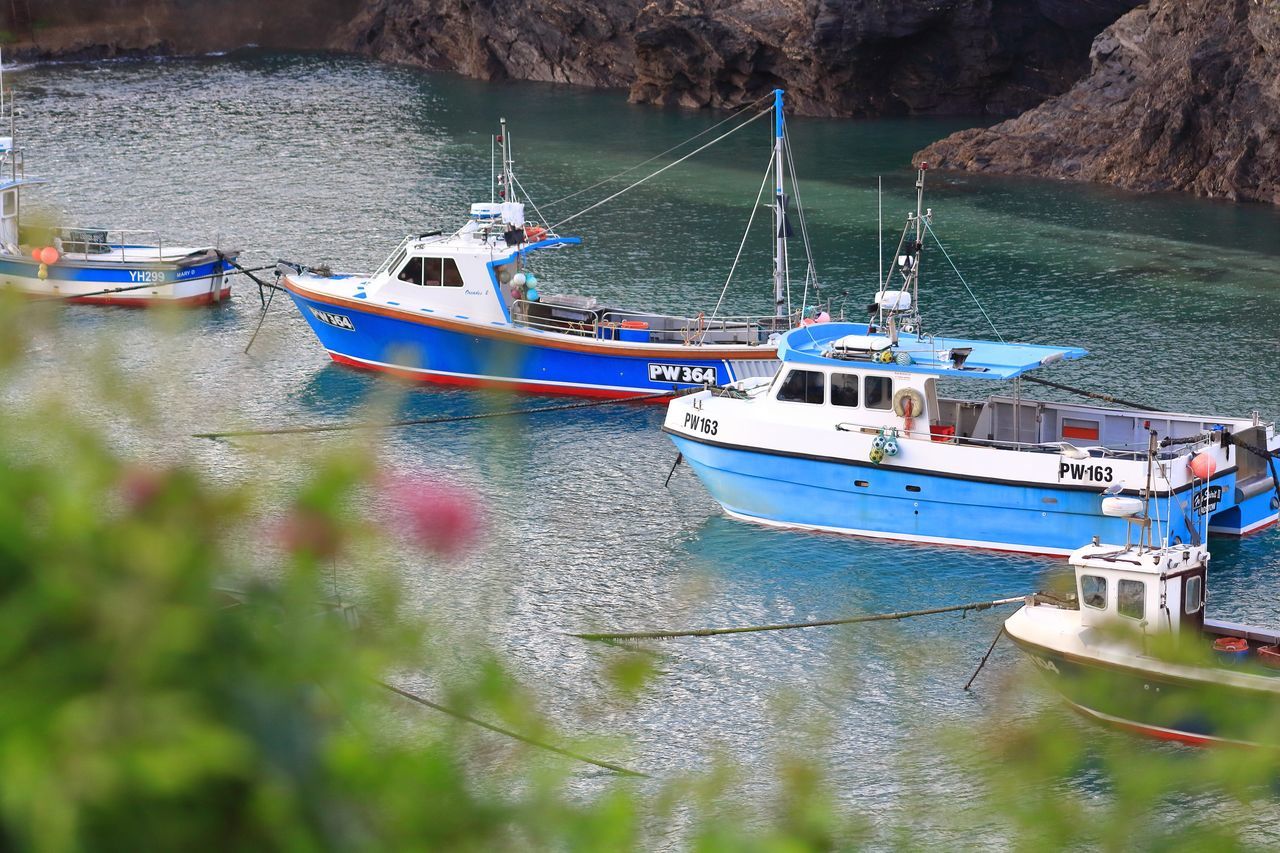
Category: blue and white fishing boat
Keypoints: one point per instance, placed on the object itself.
(465, 308)
(853, 436)
(96, 265)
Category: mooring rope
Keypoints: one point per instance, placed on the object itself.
(549, 747)
(442, 419)
(1106, 398)
(63, 297)
(787, 626)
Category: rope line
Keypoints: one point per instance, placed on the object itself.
(152, 284)
(787, 626)
(746, 233)
(1107, 398)
(443, 419)
(652, 175)
(662, 154)
(972, 295)
(540, 744)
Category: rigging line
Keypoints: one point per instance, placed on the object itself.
(673, 163)
(812, 273)
(750, 220)
(787, 626)
(540, 744)
(528, 197)
(679, 145)
(972, 295)
(1106, 398)
(443, 419)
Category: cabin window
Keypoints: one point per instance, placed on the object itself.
(844, 389)
(802, 386)
(10, 203)
(1093, 591)
(411, 271)
(879, 392)
(1131, 599)
(442, 272)
(399, 258)
(1074, 428)
(1194, 594)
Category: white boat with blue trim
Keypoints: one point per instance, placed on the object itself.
(852, 436)
(97, 265)
(466, 308)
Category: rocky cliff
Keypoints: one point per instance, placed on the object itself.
(95, 29)
(835, 57)
(1182, 95)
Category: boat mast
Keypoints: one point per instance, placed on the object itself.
(507, 192)
(779, 213)
(919, 244)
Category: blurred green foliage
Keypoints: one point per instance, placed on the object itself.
(142, 707)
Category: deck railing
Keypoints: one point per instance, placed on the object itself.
(645, 327)
(146, 245)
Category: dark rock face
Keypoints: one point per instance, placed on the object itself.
(1183, 95)
(835, 57)
(96, 29)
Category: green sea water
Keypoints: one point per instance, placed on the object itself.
(328, 160)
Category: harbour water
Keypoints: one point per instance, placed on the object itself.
(331, 160)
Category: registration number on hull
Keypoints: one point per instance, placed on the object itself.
(338, 321)
(684, 374)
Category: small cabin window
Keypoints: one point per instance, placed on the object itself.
(1073, 428)
(1093, 591)
(442, 272)
(844, 389)
(1194, 594)
(802, 386)
(1131, 599)
(10, 203)
(411, 271)
(879, 392)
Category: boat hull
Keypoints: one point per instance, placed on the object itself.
(844, 496)
(451, 351)
(1194, 707)
(202, 280)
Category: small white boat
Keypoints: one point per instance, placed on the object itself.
(853, 435)
(1137, 653)
(97, 265)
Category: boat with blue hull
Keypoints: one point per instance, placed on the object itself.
(97, 265)
(465, 308)
(853, 436)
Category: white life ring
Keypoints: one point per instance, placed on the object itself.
(900, 403)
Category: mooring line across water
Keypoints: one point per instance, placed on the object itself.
(549, 747)
(442, 419)
(788, 626)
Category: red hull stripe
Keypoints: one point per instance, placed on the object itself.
(498, 384)
(143, 301)
(1158, 732)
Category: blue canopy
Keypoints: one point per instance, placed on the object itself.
(934, 355)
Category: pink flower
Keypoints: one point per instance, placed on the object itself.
(440, 517)
(140, 485)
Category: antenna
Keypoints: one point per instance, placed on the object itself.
(880, 229)
(780, 213)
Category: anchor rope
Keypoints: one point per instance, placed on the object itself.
(675, 147)
(442, 419)
(788, 626)
(531, 741)
(1107, 398)
(653, 175)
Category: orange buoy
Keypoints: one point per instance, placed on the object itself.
(49, 255)
(1202, 465)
